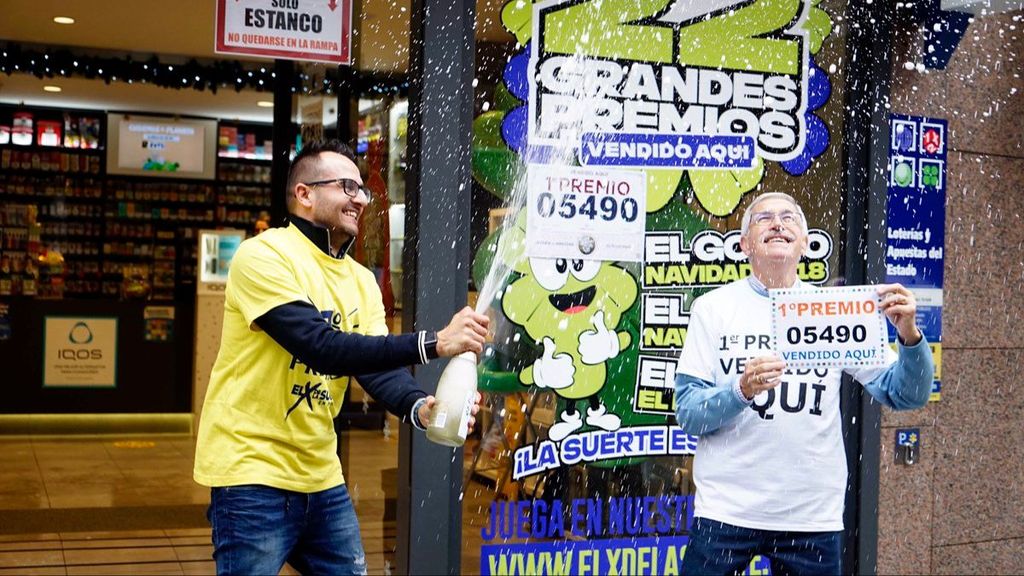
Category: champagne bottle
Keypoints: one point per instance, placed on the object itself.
(456, 394)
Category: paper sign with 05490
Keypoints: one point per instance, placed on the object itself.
(841, 327)
(585, 213)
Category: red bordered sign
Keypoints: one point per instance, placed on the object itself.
(314, 30)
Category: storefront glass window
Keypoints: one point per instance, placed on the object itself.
(578, 463)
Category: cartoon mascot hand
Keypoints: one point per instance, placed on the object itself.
(552, 370)
(600, 344)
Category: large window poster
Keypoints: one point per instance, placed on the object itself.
(712, 102)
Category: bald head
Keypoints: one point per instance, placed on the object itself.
(751, 209)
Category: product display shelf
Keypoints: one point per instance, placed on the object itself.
(243, 191)
(144, 215)
(50, 160)
(120, 235)
(52, 236)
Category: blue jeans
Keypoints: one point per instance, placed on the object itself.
(256, 529)
(719, 548)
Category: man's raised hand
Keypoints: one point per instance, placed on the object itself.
(466, 332)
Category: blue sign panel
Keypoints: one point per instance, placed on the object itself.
(652, 555)
(617, 535)
(667, 150)
(916, 211)
(917, 202)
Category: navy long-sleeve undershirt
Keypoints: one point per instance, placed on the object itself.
(378, 362)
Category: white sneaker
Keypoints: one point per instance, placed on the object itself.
(569, 424)
(600, 418)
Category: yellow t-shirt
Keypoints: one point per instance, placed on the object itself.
(268, 418)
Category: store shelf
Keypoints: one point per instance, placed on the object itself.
(244, 160)
(145, 222)
(51, 199)
(81, 257)
(253, 183)
(36, 148)
(156, 178)
(55, 173)
(75, 237)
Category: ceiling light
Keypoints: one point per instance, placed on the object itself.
(51, 88)
(63, 20)
(265, 104)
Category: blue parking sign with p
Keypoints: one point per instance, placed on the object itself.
(908, 436)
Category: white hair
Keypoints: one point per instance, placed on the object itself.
(749, 212)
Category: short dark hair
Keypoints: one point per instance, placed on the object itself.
(306, 160)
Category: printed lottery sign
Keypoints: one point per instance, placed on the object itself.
(585, 213)
(833, 327)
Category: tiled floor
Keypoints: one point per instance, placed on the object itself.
(97, 472)
(62, 474)
(183, 551)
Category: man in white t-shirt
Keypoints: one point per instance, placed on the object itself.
(770, 467)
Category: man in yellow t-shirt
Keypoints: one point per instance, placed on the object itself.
(300, 319)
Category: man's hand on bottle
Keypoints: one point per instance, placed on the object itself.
(426, 410)
(466, 332)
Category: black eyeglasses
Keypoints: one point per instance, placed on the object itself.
(349, 186)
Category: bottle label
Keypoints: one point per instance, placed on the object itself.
(467, 410)
(440, 419)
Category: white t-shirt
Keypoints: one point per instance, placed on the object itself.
(780, 464)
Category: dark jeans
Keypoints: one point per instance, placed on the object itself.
(256, 529)
(718, 548)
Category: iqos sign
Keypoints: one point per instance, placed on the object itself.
(80, 334)
(80, 352)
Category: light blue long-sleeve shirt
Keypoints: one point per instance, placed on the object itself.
(702, 407)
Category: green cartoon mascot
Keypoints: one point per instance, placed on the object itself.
(573, 308)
